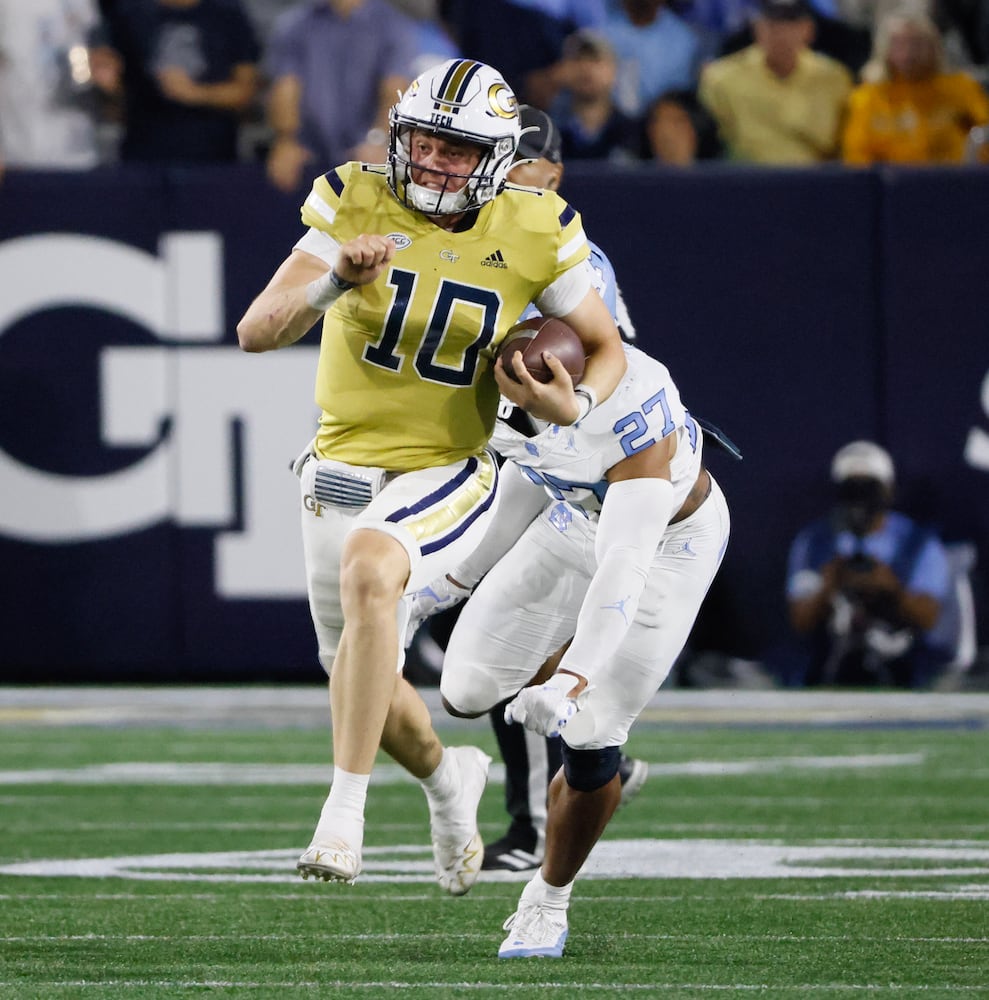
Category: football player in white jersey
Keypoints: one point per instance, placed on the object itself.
(418, 269)
(531, 760)
(619, 560)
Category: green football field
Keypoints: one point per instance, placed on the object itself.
(806, 848)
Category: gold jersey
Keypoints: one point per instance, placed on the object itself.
(405, 366)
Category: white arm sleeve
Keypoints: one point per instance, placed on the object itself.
(566, 293)
(320, 245)
(521, 500)
(633, 518)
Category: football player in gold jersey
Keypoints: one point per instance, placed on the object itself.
(418, 268)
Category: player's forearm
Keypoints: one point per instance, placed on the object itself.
(605, 616)
(631, 526)
(276, 318)
(604, 368)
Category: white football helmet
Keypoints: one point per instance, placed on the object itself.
(462, 100)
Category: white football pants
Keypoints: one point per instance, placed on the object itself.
(527, 605)
(439, 515)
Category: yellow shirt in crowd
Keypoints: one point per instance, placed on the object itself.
(900, 121)
(767, 119)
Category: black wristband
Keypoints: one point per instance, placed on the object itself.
(338, 282)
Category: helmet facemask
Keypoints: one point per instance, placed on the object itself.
(459, 101)
(478, 187)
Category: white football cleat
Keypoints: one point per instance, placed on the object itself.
(535, 931)
(330, 862)
(458, 850)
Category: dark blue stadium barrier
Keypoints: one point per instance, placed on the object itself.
(147, 516)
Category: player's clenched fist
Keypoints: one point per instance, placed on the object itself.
(363, 258)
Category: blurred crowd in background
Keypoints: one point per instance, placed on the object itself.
(302, 85)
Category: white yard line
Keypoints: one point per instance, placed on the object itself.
(478, 936)
(304, 707)
(610, 859)
(227, 774)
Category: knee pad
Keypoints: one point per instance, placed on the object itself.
(589, 770)
(470, 692)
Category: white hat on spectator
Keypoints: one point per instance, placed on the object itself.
(863, 459)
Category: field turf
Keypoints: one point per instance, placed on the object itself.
(811, 858)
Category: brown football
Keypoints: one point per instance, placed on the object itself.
(543, 333)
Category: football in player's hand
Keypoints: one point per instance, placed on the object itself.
(543, 333)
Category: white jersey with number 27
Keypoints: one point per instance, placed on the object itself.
(571, 462)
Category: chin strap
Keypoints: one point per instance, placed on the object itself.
(435, 202)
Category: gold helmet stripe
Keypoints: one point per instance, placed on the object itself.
(455, 83)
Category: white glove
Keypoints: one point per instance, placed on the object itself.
(440, 595)
(546, 709)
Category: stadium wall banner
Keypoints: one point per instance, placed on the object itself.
(148, 517)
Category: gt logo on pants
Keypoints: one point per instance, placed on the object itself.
(313, 505)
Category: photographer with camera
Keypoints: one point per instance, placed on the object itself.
(866, 584)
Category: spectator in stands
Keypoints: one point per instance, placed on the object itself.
(910, 110)
(434, 42)
(656, 49)
(190, 73)
(54, 69)
(678, 131)
(523, 38)
(714, 21)
(865, 585)
(777, 102)
(847, 40)
(335, 67)
(263, 15)
(591, 126)
(962, 24)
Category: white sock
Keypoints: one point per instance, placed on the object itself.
(342, 817)
(442, 784)
(540, 891)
